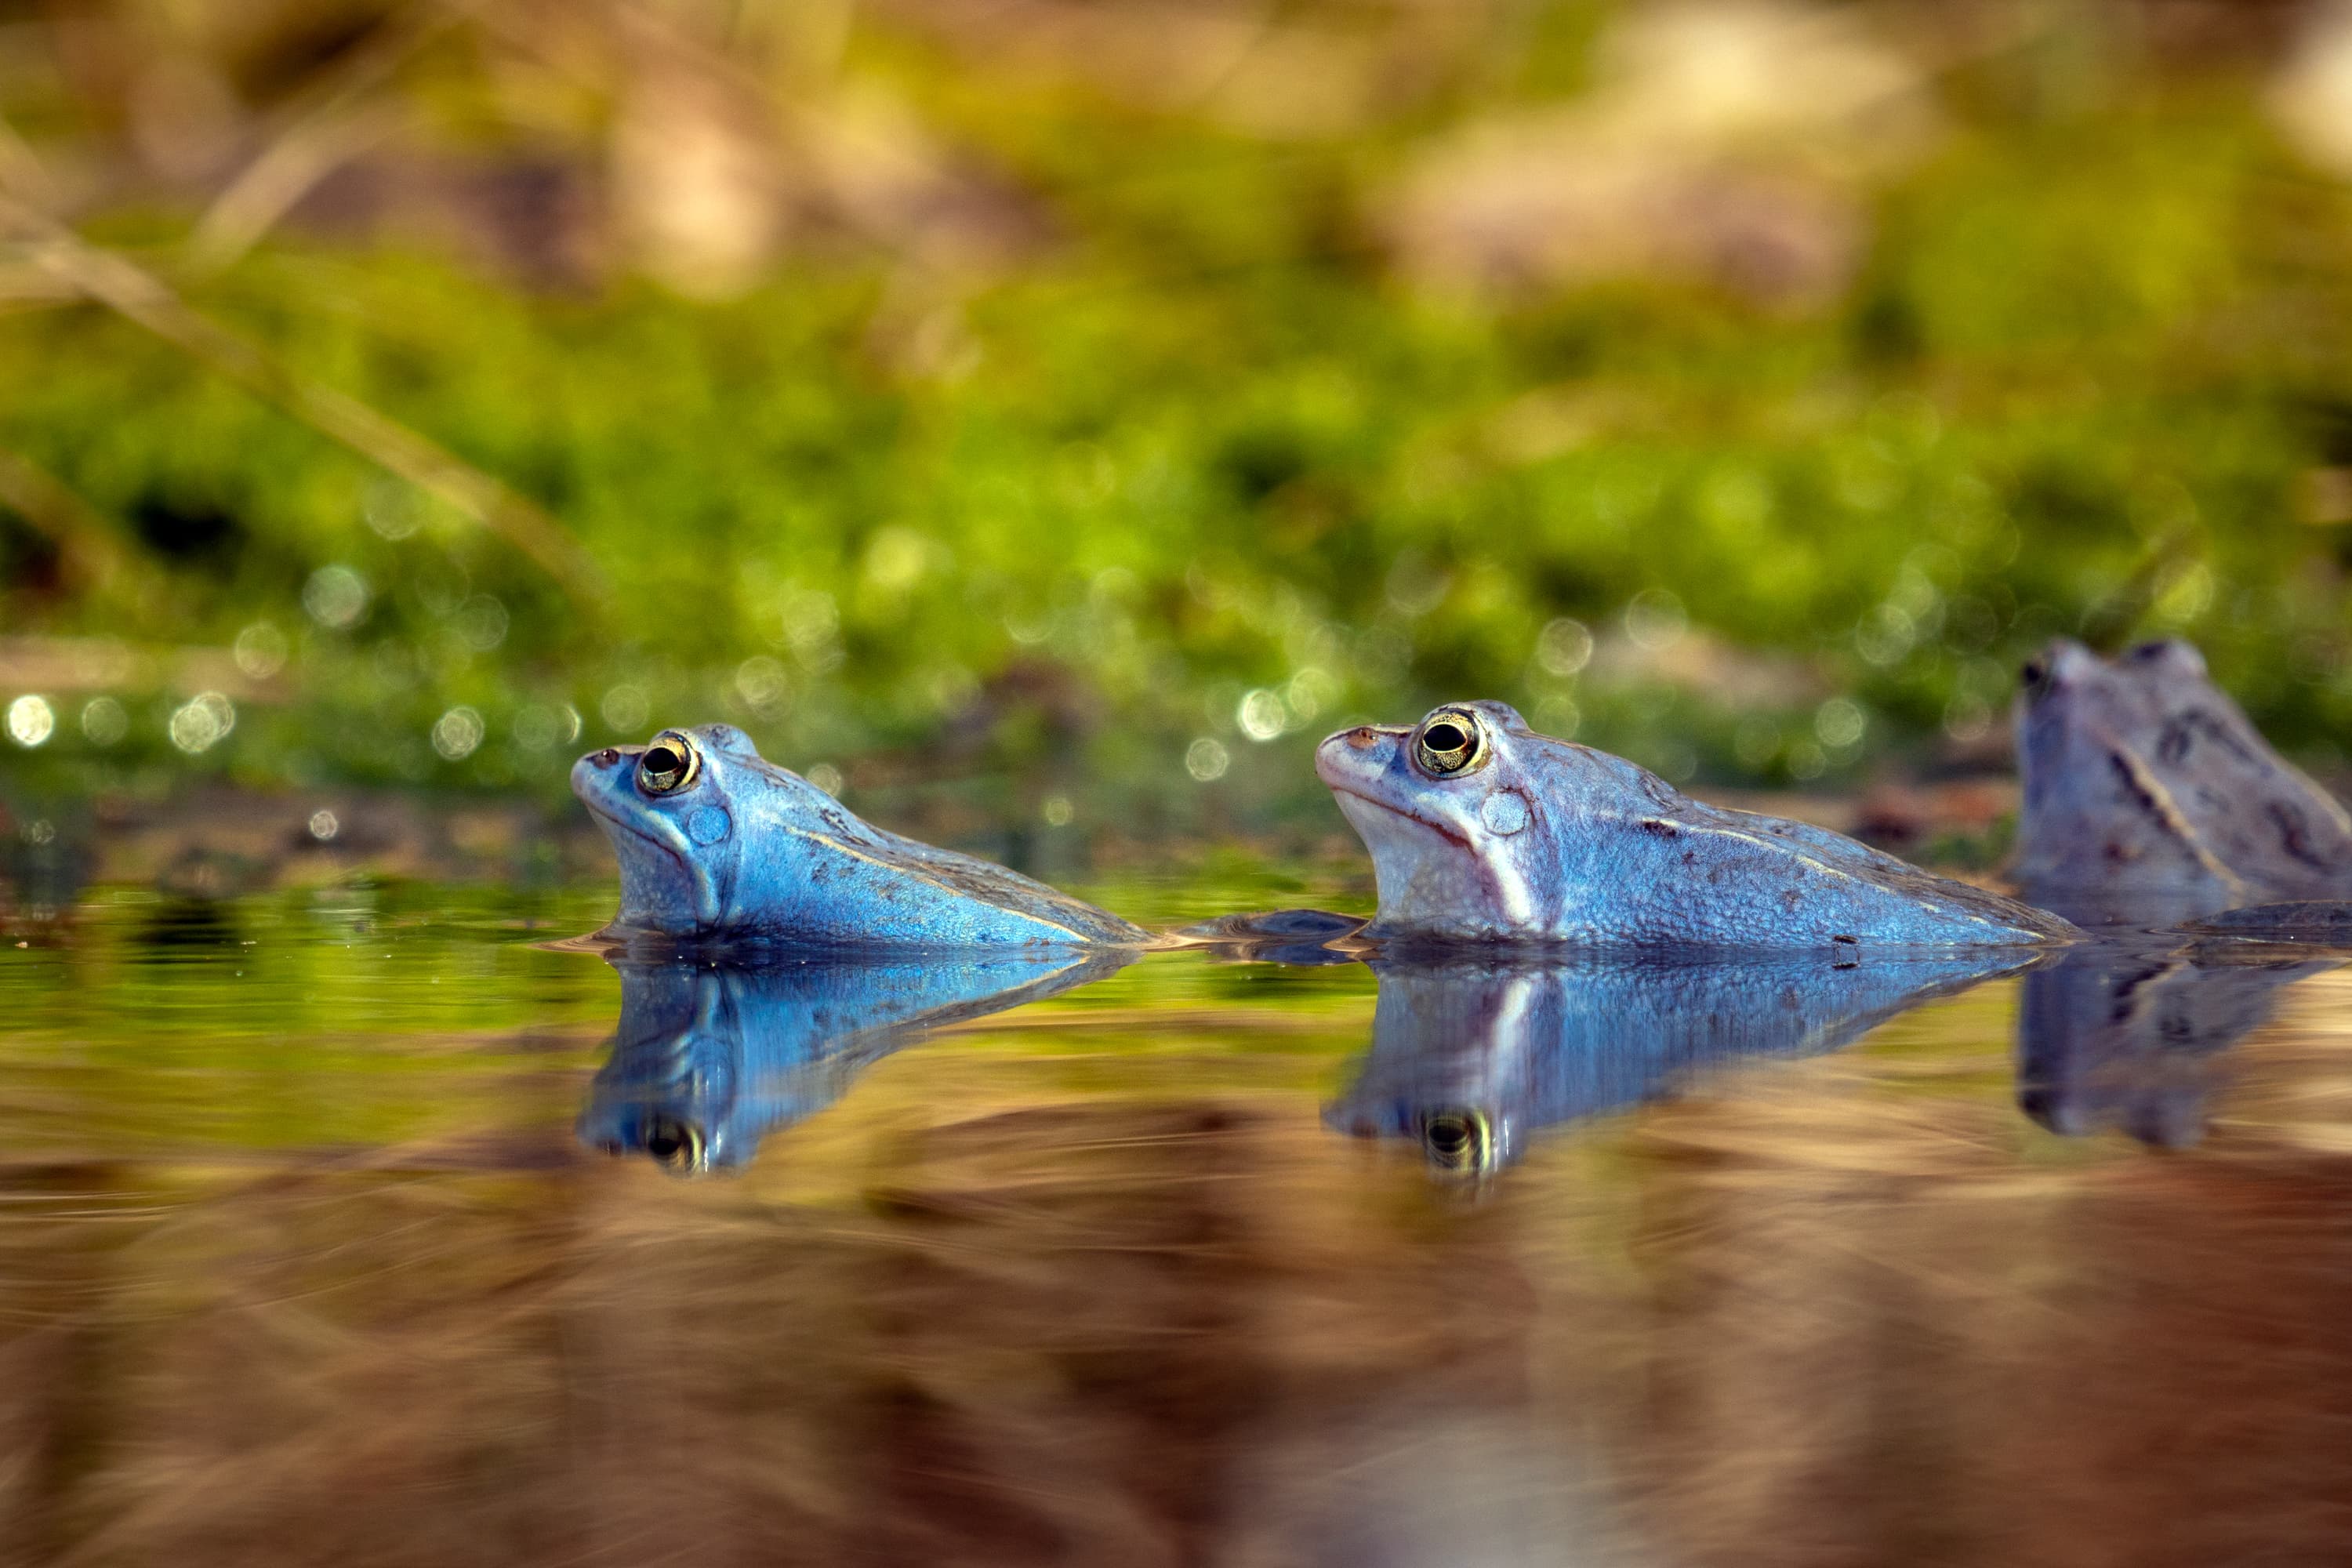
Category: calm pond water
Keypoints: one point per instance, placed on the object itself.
(360, 1225)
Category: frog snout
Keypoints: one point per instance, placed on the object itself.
(1338, 751)
(596, 771)
(2064, 663)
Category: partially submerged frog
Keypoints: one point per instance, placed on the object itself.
(1481, 830)
(2149, 793)
(718, 846)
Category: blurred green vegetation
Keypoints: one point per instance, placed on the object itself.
(1144, 432)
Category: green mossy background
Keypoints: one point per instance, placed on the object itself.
(1191, 455)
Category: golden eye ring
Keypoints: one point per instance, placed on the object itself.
(1448, 742)
(669, 765)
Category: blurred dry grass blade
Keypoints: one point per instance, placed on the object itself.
(273, 183)
(324, 126)
(140, 297)
(87, 555)
(20, 168)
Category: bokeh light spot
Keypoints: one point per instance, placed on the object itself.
(336, 597)
(1655, 620)
(1261, 715)
(202, 722)
(626, 708)
(457, 733)
(104, 720)
(260, 650)
(1564, 647)
(31, 721)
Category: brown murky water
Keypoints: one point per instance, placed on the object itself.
(310, 1252)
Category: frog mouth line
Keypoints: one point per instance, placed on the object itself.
(1450, 835)
(1488, 874)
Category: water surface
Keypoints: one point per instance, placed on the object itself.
(317, 1248)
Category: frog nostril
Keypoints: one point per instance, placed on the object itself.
(1360, 736)
(607, 757)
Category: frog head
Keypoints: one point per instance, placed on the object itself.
(716, 844)
(2141, 776)
(675, 809)
(1460, 811)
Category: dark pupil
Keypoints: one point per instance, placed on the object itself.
(1444, 737)
(1451, 1138)
(663, 763)
(2034, 671)
(665, 1140)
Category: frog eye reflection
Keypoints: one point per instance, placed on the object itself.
(668, 764)
(676, 1145)
(1447, 743)
(1459, 1141)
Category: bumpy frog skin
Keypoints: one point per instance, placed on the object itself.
(2141, 777)
(1481, 830)
(1472, 1054)
(709, 1059)
(718, 844)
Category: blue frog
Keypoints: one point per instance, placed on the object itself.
(1483, 831)
(718, 846)
(2150, 798)
(709, 1059)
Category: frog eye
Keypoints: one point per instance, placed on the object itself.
(1448, 742)
(674, 1145)
(1460, 1140)
(2035, 672)
(669, 765)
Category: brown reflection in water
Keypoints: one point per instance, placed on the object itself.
(1828, 1312)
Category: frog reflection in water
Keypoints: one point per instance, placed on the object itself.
(1481, 830)
(718, 844)
(2131, 1033)
(1471, 1055)
(709, 1059)
(2149, 797)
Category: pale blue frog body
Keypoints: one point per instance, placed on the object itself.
(718, 846)
(1482, 831)
(2150, 798)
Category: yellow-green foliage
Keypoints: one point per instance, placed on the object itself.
(1200, 439)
